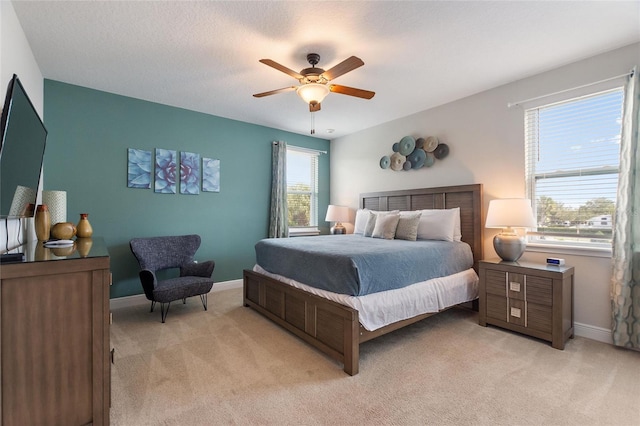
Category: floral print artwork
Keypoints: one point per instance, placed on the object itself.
(138, 168)
(210, 175)
(189, 173)
(166, 171)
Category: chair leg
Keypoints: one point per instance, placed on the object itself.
(153, 304)
(203, 297)
(163, 312)
(184, 300)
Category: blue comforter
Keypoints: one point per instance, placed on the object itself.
(357, 265)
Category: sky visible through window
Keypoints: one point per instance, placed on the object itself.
(298, 167)
(580, 135)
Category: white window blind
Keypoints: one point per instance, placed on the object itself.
(302, 187)
(572, 160)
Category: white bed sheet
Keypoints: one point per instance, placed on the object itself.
(377, 310)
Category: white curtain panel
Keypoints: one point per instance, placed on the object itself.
(625, 282)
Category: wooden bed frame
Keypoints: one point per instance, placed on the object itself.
(334, 328)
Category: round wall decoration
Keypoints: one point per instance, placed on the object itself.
(417, 158)
(407, 145)
(397, 161)
(441, 151)
(414, 153)
(430, 143)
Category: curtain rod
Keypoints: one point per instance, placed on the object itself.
(300, 148)
(628, 74)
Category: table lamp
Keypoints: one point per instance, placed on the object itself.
(337, 214)
(507, 214)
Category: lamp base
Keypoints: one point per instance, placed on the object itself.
(338, 229)
(509, 246)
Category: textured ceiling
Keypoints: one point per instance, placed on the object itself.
(203, 56)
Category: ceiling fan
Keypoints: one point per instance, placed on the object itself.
(314, 82)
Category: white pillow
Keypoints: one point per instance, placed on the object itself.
(437, 224)
(386, 226)
(407, 228)
(457, 233)
(362, 216)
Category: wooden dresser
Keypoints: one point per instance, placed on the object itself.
(54, 350)
(531, 298)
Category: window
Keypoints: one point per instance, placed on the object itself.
(302, 190)
(572, 153)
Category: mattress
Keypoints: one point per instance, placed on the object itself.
(379, 309)
(357, 265)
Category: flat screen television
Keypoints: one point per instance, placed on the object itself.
(22, 144)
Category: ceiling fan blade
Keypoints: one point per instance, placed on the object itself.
(343, 67)
(282, 68)
(351, 91)
(273, 92)
(313, 107)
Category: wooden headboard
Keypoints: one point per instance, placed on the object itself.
(467, 197)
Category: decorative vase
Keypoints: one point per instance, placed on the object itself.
(42, 223)
(63, 230)
(84, 229)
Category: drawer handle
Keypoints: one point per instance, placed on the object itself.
(516, 312)
(514, 286)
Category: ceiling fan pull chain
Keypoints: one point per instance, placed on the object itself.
(313, 124)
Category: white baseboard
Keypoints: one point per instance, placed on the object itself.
(592, 332)
(141, 299)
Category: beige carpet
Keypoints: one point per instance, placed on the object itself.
(230, 365)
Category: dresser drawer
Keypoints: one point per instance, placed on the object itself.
(515, 286)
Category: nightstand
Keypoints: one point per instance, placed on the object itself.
(535, 299)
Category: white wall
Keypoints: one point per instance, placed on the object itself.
(486, 141)
(16, 57)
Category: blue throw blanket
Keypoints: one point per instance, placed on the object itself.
(357, 265)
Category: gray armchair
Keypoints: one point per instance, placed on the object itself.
(158, 253)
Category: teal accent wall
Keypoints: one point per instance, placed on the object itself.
(86, 155)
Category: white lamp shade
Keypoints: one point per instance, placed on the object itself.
(510, 212)
(337, 214)
(313, 92)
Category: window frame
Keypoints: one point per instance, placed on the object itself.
(312, 228)
(565, 247)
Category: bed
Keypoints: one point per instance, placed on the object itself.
(326, 319)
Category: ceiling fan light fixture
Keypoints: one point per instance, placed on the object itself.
(313, 92)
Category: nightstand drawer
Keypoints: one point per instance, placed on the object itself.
(496, 307)
(539, 317)
(516, 286)
(496, 282)
(517, 309)
(539, 290)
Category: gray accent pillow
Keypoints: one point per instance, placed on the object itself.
(407, 228)
(386, 226)
(371, 223)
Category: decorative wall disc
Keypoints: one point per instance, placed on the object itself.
(407, 145)
(385, 162)
(397, 161)
(417, 158)
(419, 143)
(441, 151)
(430, 143)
